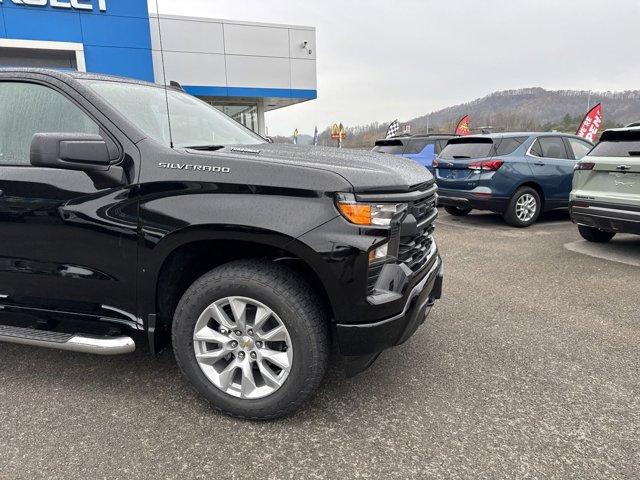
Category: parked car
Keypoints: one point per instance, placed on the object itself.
(605, 199)
(421, 148)
(132, 213)
(518, 175)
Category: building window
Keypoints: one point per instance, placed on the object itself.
(247, 115)
(28, 57)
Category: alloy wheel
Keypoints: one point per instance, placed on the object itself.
(243, 347)
(526, 207)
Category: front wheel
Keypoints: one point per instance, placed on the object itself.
(252, 338)
(592, 234)
(457, 211)
(524, 208)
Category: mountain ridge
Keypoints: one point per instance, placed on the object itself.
(524, 109)
(541, 105)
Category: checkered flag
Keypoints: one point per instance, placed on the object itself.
(394, 129)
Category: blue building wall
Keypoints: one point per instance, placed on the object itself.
(117, 41)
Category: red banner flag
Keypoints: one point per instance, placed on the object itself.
(591, 124)
(464, 126)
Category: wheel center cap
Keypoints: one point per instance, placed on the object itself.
(246, 343)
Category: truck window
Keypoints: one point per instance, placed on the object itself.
(29, 108)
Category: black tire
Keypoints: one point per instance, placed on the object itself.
(457, 211)
(511, 216)
(592, 234)
(292, 299)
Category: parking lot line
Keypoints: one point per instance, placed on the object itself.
(622, 250)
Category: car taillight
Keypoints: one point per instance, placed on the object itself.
(486, 165)
(584, 166)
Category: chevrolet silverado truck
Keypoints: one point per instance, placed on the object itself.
(134, 214)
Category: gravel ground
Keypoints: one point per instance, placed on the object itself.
(528, 368)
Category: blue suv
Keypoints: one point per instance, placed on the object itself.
(421, 148)
(518, 175)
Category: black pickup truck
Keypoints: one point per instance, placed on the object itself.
(132, 213)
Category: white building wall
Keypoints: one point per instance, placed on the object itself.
(223, 53)
(211, 69)
(303, 74)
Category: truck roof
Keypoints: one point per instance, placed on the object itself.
(72, 74)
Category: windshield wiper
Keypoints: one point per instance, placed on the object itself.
(460, 157)
(207, 148)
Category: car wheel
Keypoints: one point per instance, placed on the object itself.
(524, 208)
(457, 211)
(252, 338)
(596, 235)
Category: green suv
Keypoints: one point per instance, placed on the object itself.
(605, 199)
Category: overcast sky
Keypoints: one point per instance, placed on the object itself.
(382, 59)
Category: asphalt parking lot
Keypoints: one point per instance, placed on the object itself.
(528, 368)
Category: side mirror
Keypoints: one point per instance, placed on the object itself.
(70, 151)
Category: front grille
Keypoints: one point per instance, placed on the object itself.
(414, 251)
(425, 207)
(372, 278)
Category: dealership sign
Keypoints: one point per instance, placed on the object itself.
(67, 4)
(463, 127)
(591, 124)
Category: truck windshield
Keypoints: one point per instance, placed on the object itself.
(194, 123)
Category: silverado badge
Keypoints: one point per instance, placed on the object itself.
(196, 168)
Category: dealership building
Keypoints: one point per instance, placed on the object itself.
(242, 68)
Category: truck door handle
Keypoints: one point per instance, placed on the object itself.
(538, 162)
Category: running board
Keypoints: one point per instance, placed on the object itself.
(67, 341)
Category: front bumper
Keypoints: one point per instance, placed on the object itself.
(472, 199)
(360, 344)
(607, 217)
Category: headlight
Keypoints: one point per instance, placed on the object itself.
(368, 213)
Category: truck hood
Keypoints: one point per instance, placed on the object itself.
(365, 171)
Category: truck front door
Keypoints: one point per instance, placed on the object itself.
(68, 239)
